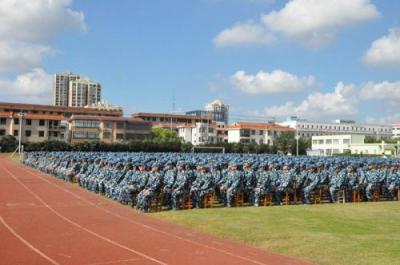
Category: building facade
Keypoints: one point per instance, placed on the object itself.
(216, 111)
(396, 130)
(84, 93)
(198, 133)
(61, 88)
(335, 144)
(257, 133)
(328, 145)
(307, 129)
(37, 123)
(107, 129)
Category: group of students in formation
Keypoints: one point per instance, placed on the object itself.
(138, 178)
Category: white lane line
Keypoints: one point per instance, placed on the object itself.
(114, 262)
(144, 225)
(78, 225)
(12, 231)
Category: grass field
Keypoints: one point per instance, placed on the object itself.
(327, 234)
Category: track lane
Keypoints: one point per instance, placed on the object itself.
(52, 235)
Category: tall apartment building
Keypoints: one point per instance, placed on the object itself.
(70, 90)
(83, 93)
(61, 88)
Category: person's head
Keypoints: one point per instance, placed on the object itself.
(180, 166)
(155, 167)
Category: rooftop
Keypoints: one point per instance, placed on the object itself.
(17, 107)
(260, 126)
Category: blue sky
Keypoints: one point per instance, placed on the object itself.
(315, 59)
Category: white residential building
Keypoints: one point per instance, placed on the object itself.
(83, 93)
(335, 144)
(61, 87)
(259, 133)
(396, 130)
(307, 129)
(198, 133)
(326, 145)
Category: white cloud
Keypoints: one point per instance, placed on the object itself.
(342, 101)
(381, 91)
(313, 22)
(385, 50)
(38, 20)
(243, 34)
(275, 82)
(316, 22)
(19, 56)
(27, 27)
(33, 86)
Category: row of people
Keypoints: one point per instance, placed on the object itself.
(138, 178)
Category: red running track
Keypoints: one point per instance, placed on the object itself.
(44, 220)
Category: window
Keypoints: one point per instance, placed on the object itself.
(16, 121)
(41, 133)
(335, 141)
(320, 141)
(41, 122)
(120, 125)
(93, 135)
(106, 135)
(314, 142)
(15, 133)
(261, 132)
(28, 133)
(137, 126)
(120, 136)
(329, 141)
(346, 141)
(3, 121)
(28, 122)
(2, 132)
(253, 132)
(86, 124)
(107, 124)
(78, 135)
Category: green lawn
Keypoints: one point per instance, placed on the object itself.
(365, 233)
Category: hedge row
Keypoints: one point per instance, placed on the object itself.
(144, 146)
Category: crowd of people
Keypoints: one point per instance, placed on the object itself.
(138, 178)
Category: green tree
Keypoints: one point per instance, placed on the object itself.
(165, 135)
(285, 142)
(369, 139)
(8, 143)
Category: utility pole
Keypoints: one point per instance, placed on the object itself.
(20, 115)
(297, 143)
